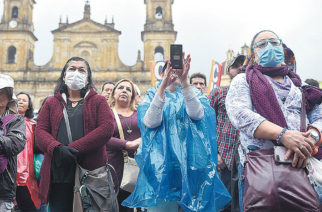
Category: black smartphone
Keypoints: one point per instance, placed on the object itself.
(176, 56)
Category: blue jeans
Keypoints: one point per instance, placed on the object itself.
(241, 184)
(318, 189)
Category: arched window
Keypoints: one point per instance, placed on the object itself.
(85, 54)
(14, 12)
(12, 54)
(158, 54)
(158, 13)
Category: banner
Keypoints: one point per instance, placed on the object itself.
(215, 76)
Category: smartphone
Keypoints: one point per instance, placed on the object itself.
(279, 154)
(176, 56)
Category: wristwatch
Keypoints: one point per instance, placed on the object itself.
(314, 135)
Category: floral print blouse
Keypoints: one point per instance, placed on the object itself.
(244, 117)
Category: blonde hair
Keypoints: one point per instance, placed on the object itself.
(132, 102)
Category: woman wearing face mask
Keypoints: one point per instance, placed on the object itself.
(91, 124)
(178, 154)
(27, 187)
(123, 102)
(264, 104)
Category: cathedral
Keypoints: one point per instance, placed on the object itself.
(93, 41)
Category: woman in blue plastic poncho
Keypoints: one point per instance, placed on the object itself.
(178, 154)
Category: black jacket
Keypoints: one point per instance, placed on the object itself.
(11, 145)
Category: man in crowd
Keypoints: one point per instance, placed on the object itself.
(199, 81)
(107, 89)
(227, 135)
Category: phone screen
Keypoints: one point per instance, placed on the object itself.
(176, 56)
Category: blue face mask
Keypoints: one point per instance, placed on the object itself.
(271, 56)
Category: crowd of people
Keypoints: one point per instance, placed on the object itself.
(193, 151)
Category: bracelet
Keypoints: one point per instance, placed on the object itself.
(278, 140)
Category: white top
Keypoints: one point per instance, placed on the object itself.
(153, 116)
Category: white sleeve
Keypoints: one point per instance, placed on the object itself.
(239, 107)
(193, 105)
(153, 116)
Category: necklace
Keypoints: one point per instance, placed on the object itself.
(128, 125)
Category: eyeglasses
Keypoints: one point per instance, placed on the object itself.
(263, 43)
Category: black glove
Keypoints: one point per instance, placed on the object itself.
(65, 154)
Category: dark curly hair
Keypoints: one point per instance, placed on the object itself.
(62, 87)
(30, 111)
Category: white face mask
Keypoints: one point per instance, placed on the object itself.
(75, 80)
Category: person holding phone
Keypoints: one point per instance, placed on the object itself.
(178, 154)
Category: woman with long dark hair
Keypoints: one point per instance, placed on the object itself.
(91, 124)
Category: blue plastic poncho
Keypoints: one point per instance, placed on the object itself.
(178, 159)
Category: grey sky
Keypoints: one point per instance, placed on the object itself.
(206, 28)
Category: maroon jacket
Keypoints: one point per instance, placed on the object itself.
(98, 128)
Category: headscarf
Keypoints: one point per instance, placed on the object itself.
(264, 98)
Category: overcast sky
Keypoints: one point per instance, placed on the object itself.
(206, 28)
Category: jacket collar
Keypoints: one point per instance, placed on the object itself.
(62, 97)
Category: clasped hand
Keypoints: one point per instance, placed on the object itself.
(133, 145)
(301, 144)
(65, 155)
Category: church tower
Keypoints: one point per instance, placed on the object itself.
(158, 31)
(17, 35)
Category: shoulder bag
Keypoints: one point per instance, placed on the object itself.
(93, 190)
(274, 186)
(131, 169)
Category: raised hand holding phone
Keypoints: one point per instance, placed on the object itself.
(183, 73)
(168, 77)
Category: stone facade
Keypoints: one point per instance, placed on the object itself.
(96, 42)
